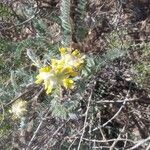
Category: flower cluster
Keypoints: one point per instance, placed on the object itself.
(61, 72)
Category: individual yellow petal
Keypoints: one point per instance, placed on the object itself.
(39, 79)
(46, 84)
(75, 53)
(62, 50)
(79, 63)
(54, 62)
(45, 69)
(70, 71)
(58, 70)
(49, 89)
(68, 83)
(73, 74)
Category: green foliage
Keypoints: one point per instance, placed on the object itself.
(38, 45)
(3, 45)
(72, 27)
(118, 39)
(94, 63)
(5, 12)
(58, 109)
(80, 29)
(67, 27)
(143, 68)
(6, 58)
(5, 126)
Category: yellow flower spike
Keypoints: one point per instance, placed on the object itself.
(61, 70)
(68, 83)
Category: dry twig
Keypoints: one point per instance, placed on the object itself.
(85, 121)
(139, 143)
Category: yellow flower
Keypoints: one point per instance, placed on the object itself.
(70, 58)
(79, 63)
(70, 71)
(68, 83)
(62, 50)
(56, 62)
(18, 108)
(45, 69)
(54, 77)
(60, 67)
(47, 77)
(57, 65)
(75, 53)
(74, 60)
(61, 71)
(44, 74)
